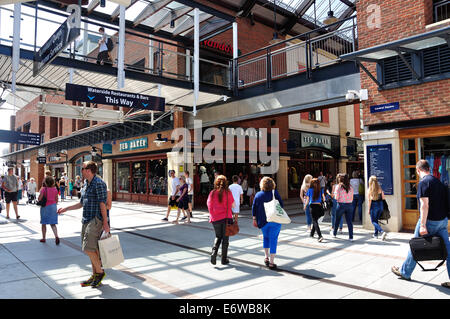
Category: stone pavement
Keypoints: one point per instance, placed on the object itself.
(163, 260)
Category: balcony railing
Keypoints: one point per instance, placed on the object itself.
(300, 54)
(441, 10)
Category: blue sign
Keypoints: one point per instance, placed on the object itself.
(14, 137)
(379, 164)
(385, 107)
(90, 94)
(107, 149)
(136, 144)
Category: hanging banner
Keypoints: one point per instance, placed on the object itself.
(96, 95)
(59, 41)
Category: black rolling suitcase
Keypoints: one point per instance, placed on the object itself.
(428, 248)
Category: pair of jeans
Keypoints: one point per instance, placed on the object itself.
(437, 228)
(308, 215)
(333, 215)
(347, 209)
(316, 212)
(270, 236)
(376, 208)
(357, 202)
(63, 190)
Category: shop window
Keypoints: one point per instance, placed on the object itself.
(123, 177)
(139, 177)
(409, 144)
(315, 116)
(157, 177)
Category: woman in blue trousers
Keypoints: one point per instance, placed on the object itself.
(344, 197)
(270, 230)
(376, 197)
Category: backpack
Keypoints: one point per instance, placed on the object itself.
(110, 44)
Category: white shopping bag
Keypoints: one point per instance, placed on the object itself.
(275, 213)
(110, 251)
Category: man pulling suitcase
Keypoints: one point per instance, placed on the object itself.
(433, 205)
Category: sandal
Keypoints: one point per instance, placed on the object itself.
(272, 266)
(42, 240)
(266, 262)
(446, 284)
(57, 240)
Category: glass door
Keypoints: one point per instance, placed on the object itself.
(410, 180)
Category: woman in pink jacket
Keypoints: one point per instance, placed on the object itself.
(220, 202)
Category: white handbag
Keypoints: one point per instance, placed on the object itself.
(275, 213)
(110, 251)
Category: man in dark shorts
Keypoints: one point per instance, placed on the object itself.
(433, 200)
(175, 194)
(11, 186)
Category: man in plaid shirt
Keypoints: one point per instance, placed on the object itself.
(95, 219)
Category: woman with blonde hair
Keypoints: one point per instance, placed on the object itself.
(376, 196)
(303, 190)
(220, 202)
(270, 230)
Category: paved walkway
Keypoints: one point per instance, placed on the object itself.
(163, 260)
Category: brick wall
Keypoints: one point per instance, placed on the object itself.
(399, 19)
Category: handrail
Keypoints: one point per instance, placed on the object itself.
(296, 37)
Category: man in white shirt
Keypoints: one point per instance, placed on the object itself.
(238, 195)
(103, 56)
(190, 191)
(175, 193)
(32, 191)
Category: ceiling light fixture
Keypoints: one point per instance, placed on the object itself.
(330, 18)
(275, 38)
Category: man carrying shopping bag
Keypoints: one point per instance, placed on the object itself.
(95, 220)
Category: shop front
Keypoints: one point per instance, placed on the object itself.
(310, 154)
(141, 176)
(432, 144)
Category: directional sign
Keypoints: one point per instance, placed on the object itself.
(20, 137)
(111, 97)
(379, 163)
(66, 33)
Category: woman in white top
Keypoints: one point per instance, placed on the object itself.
(357, 199)
(303, 190)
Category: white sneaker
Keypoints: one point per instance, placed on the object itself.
(375, 236)
(383, 236)
(351, 240)
(331, 232)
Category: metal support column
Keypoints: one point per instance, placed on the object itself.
(121, 50)
(196, 57)
(16, 45)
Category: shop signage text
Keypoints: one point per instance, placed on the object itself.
(379, 163)
(136, 144)
(385, 107)
(219, 46)
(90, 94)
(238, 131)
(314, 140)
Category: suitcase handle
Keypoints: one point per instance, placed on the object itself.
(434, 269)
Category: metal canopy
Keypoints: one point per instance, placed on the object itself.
(155, 17)
(54, 78)
(413, 43)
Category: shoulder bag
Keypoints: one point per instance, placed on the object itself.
(231, 229)
(428, 248)
(274, 212)
(385, 214)
(43, 201)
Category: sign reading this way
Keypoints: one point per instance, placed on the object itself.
(90, 94)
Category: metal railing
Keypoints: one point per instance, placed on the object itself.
(441, 10)
(300, 54)
(142, 53)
